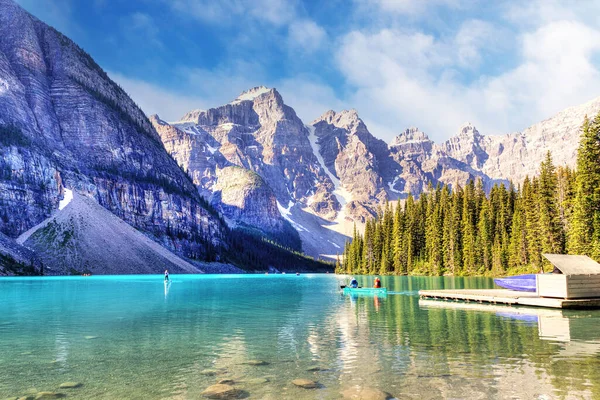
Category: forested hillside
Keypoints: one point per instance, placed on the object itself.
(464, 231)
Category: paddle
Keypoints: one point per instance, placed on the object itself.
(345, 286)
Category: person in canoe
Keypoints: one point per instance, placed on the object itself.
(166, 275)
(353, 283)
(377, 283)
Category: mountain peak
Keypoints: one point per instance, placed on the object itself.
(252, 93)
(468, 129)
(410, 135)
(156, 119)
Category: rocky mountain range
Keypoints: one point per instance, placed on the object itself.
(249, 167)
(332, 173)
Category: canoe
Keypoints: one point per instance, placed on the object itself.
(367, 291)
(520, 283)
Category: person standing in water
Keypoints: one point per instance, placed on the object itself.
(166, 275)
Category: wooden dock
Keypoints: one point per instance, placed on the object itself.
(509, 297)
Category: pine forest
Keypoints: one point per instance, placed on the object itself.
(466, 231)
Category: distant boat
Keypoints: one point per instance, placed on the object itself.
(520, 283)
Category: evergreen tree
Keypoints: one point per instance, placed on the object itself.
(517, 251)
(531, 213)
(468, 229)
(550, 227)
(484, 239)
(399, 256)
(584, 234)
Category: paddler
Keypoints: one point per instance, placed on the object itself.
(166, 275)
(377, 283)
(353, 283)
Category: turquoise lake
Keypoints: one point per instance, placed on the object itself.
(130, 337)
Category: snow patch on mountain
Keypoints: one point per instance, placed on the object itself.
(211, 149)
(392, 184)
(68, 196)
(251, 94)
(342, 195)
(286, 213)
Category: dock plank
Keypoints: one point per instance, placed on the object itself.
(510, 297)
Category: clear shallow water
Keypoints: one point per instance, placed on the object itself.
(127, 337)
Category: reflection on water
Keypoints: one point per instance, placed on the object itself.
(135, 337)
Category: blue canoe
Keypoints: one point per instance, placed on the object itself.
(520, 283)
(366, 291)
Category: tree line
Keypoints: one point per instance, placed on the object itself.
(466, 231)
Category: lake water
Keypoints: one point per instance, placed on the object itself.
(129, 337)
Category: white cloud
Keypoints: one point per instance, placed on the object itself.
(398, 75)
(405, 6)
(410, 78)
(306, 35)
(471, 40)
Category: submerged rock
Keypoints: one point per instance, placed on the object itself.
(316, 368)
(48, 395)
(90, 337)
(70, 385)
(256, 381)
(226, 382)
(365, 393)
(221, 391)
(257, 362)
(212, 372)
(305, 383)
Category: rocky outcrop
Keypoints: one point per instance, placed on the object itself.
(65, 123)
(516, 155)
(258, 132)
(355, 157)
(245, 199)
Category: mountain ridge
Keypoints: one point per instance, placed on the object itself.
(362, 172)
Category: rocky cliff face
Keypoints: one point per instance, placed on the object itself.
(355, 157)
(260, 134)
(65, 123)
(257, 131)
(245, 200)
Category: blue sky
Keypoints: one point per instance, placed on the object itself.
(436, 64)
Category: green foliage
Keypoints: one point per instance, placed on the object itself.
(464, 232)
(584, 233)
(253, 252)
(18, 268)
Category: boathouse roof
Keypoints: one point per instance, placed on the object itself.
(574, 265)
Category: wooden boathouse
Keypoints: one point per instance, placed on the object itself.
(575, 285)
